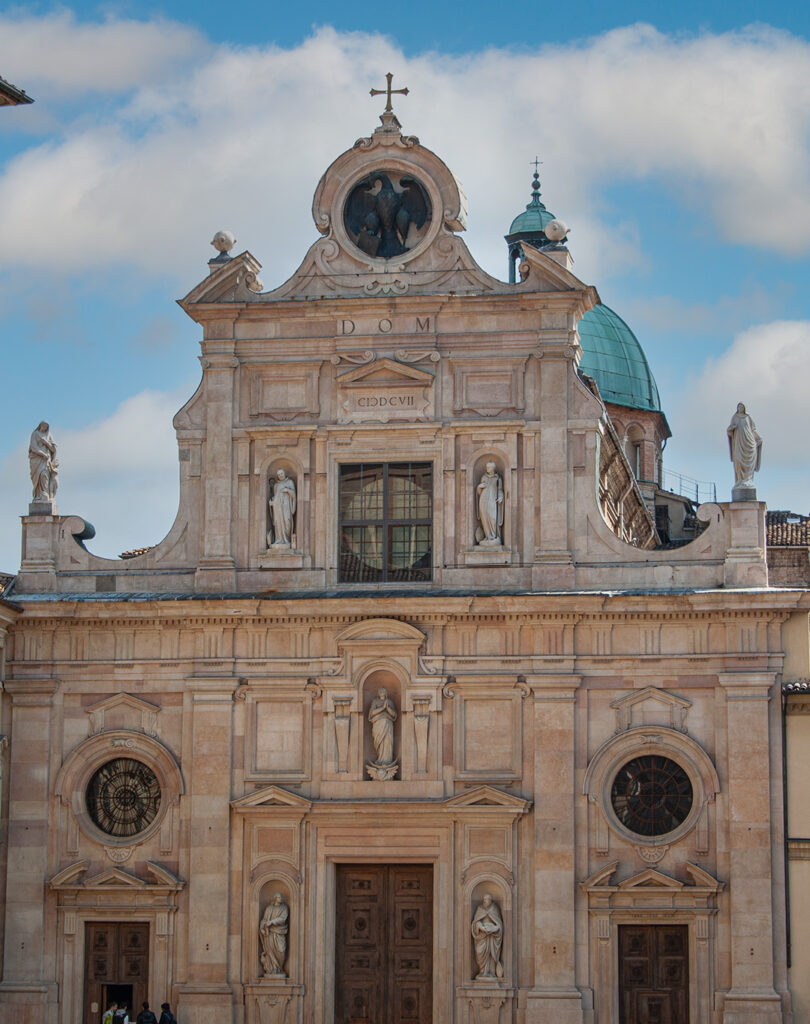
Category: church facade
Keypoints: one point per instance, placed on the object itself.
(410, 718)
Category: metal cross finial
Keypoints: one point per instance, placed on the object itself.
(536, 163)
(388, 92)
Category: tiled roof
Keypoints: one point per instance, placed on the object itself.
(135, 552)
(787, 529)
(11, 96)
(797, 686)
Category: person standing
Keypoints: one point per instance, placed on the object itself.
(110, 1013)
(167, 1017)
(146, 1016)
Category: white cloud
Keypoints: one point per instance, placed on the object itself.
(56, 56)
(237, 137)
(120, 473)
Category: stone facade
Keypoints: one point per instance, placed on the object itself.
(528, 671)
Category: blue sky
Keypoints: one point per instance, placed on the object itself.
(674, 141)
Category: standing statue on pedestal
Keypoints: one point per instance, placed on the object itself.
(490, 508)
(43, 464)
(745, 449)
(273, 934)
(487, 933)
(381, 715)
(282, 511)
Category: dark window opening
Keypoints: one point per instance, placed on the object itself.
(386, 522)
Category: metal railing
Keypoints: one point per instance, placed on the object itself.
(697, 490)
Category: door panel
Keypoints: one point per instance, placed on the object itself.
(384, 944)
(654, 974)
(116, 960)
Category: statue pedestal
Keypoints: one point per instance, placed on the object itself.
(382, 772)
(42, 508)
(743, 492)
(485, 1001)
(273, 1000)
(281, 558)
(488, 553)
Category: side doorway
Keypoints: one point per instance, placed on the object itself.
(653, 974)
(384, 944)
(116, 967)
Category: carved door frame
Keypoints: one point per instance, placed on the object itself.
(384, 845)
(112, 896)
(653, 898)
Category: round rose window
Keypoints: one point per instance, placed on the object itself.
(651, 795)
(123, 797)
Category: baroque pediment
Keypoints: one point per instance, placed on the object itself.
(114, 878)
(388, 372)
(271, 798)
(380, 629)
(234, 281)
(651, 706)
(125, 711)
(488, 798)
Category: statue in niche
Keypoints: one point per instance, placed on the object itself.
(745, 450)
(43, 463)
(282, 511)
(487, 933)
(490, 508)
(381, 715)
(273, 934)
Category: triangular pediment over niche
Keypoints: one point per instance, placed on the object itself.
(487, 798)
(271, 798)
(651, 879)
(388, 372)
(649, 707)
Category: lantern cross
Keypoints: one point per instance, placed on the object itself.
(387, 92)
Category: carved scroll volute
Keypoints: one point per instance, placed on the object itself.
(342, 726)
(421, 724)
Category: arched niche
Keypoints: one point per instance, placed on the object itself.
(498, 887)
(388, 678)
(477, 470)
(269, 878)
(294, 471)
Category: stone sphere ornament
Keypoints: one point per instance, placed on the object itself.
(223, 241)
(556, 230)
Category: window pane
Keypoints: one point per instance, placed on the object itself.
(361, 492)
(410, 487)
(361, 554)
(372, 498)
(409, 553)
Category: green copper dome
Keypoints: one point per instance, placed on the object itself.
(534, 218)
(612, 355)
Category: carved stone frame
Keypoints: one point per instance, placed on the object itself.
(651, 898)
(78, 768)
(663, 742)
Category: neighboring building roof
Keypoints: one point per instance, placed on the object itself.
(11, 96)
(786, 529)
(613, 356)
(797, 686)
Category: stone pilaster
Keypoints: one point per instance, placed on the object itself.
(553, 556)
(752, 997)
(217, 566)
(554, 997)
(206, 994)
(25, 993)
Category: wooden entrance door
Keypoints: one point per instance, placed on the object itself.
(653, 974)
(116, 967)
(384, 944)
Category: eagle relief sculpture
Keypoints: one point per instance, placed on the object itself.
(385, 212)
